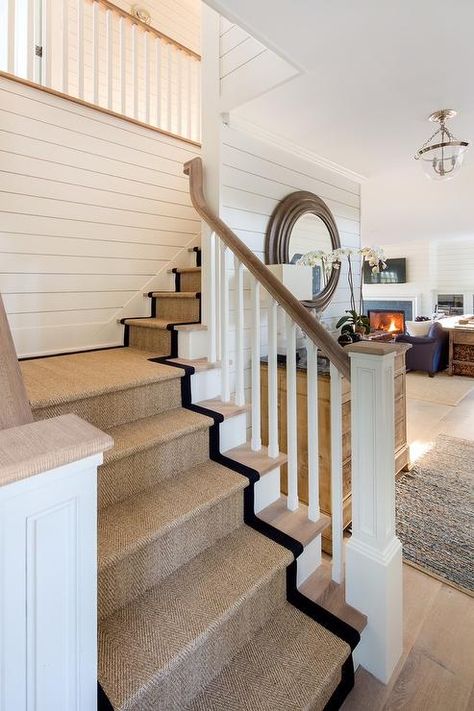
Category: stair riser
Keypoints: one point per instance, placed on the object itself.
(110, 409)
(207, 658)
(128, 476)
(178, 309)
(122, 582)
(190, 281)
(155, 340)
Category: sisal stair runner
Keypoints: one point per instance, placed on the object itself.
(193, 610)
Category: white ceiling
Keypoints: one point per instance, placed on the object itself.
(371, 72)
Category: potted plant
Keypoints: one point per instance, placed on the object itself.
(354, 323)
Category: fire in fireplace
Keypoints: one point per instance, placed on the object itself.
(388, 321)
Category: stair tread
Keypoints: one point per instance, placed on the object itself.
(294, 523)
(199, 364)
(151, 322)
(128, 525)
(59, 379)
(292, 663)
(187, 270)
(259, 461)
(175, 294)
(148, 432)
(227, 409)
(191, 326)
(320, 588)
(143, 641)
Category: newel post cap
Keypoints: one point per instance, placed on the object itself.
(375, 348)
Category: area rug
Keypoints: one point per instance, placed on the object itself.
(435, 512)
(443, 389)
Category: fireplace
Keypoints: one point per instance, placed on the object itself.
(387, 321)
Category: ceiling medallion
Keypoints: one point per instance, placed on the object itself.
(442, 154)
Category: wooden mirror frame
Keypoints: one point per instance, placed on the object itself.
(280, 226)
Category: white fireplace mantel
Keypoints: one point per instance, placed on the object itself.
(415, 300)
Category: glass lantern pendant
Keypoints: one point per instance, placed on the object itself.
(442, 155)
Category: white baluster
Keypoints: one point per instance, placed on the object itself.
(195, 101)
(336, 476)
(95, 51)
(46, 41)
(80, 48)
(198, 100)
(313, 430)
(218, 305)
(224, 300)
(109, 20)
(273, 446)
(187, 93)
(291, 414)
(135, 69)
(146, 40)
(170, 58)
(179, 93)
(256, 442)
(30, 40)
(123, 65)
(11, 36)
(159, 87)
(239, 332)
(212, 299)
(65, 45)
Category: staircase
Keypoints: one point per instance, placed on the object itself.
(197, 600)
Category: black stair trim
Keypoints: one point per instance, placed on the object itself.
(318, 613)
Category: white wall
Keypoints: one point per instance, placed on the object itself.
(92, 208)
(255, 176)
(433, 267)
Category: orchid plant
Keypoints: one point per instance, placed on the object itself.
(333, 260)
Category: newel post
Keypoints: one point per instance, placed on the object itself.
(374, 553)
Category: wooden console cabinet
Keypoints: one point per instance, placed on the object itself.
(401, 447)
(461, 351)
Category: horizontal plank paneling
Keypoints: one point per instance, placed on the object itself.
(257, 175)
(442, 266)
(91, 211)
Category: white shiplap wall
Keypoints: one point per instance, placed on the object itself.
(255, 176)
(92, 211)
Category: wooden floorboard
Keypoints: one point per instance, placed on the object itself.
(436, 672)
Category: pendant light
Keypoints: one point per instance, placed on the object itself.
(442, 155)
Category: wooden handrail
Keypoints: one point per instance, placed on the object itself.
(147, 28)
(289, 303)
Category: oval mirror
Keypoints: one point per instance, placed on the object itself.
(303, 223)
(310, 233)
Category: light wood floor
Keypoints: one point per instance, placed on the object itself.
(436, 672)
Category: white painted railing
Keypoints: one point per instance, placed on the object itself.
(94, 51)
(374, 552)
(226, 280)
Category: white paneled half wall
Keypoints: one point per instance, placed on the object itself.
(93, 212)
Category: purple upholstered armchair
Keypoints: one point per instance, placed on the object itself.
(428, 353)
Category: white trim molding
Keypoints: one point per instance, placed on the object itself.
(274, 139)
(415, 301)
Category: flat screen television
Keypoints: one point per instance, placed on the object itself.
(395, 273)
